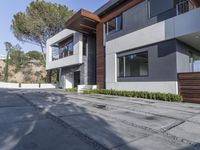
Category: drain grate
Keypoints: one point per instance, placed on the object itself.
(100, 106)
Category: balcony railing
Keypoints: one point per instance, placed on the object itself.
(183, 6)
(58, 53)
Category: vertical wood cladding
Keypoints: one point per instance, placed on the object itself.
(100, 57)
(189, 87)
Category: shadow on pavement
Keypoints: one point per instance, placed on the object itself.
(47, 135)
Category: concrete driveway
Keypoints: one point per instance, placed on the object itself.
(55, 120)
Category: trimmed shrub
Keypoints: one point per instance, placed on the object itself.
(135, 94)
(71, 90)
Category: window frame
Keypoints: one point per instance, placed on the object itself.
(117, 29)
(124, 59)
(192, 61)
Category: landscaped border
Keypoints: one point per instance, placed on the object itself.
(135, 94)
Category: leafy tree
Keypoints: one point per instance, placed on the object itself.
(34, 55)
(40, 21)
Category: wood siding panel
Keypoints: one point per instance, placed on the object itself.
(189, 87)
(100, 57)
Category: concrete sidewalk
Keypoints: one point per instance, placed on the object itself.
(123, 123)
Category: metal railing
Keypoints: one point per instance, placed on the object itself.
(182, 6)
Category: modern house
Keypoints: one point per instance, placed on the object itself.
(141, 45)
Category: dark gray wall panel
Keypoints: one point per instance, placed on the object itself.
(162, 64)
(91, 60)
(159, 6)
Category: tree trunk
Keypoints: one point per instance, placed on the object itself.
(6, 69)
(43, 54)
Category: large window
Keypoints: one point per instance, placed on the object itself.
(133, 65)
(114, 25)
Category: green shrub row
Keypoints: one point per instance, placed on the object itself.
(71, 90)
(146, 95)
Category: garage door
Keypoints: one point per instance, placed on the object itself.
(189, 87)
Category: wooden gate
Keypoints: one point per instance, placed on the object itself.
(189, 87)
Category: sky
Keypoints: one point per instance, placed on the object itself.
(10, 7)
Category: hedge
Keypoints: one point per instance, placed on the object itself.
(135, 94)
(71, 90)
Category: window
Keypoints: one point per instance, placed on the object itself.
(55, 52)
(67, 50)
(134, 65)
(195, 62)
(114, 25)
(84, 45)
(62, 49)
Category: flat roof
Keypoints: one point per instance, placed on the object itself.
(83, 21)
(108, 6)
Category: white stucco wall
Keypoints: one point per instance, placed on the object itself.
(76, 58)
(26, 86)
(67, 80)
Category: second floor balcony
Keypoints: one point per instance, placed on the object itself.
(64, 49)
(183, 6)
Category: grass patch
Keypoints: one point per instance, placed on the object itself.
(146, 95)
(71, 90)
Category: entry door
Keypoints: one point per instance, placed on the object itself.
(76, 79)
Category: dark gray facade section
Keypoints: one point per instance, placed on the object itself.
(162, 62)
(160, 6)
(91, 58)
(88, 71)
(139, 16)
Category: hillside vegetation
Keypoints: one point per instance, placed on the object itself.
(23, 67)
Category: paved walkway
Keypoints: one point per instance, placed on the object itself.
(109, 122)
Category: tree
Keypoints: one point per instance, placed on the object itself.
(8, 47)
(34, 55)
(39, 22)
(17, 58)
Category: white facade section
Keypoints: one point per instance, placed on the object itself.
(176, 27)
(67, 81)
(74, 59)
(7, 85)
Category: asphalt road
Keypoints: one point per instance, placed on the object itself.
(55, 120)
